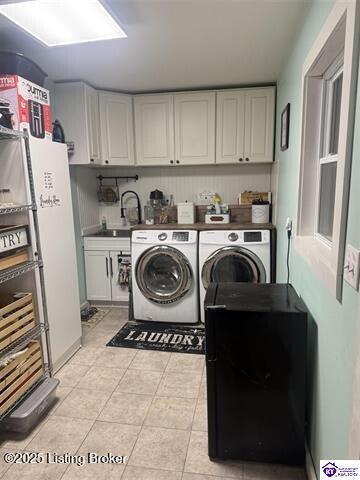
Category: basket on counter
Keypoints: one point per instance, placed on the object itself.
(21, 372)
(17, 317)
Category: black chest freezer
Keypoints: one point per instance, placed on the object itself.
(256, 372)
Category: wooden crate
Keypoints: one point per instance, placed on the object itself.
(20, 374)
(16, 318)
(13, 260)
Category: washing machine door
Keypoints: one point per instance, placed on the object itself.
(233, 264)
(163, 274)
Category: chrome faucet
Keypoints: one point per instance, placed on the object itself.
(122, 209)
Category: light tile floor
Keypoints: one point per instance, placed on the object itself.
(149, 406)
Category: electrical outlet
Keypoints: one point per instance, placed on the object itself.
(352, 266)
(204, 198)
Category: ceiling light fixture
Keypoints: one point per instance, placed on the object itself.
(64, 22)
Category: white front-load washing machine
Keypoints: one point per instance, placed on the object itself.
(165, 275)
(233, 256)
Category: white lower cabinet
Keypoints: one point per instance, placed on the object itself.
(103, 259)
(97, 266)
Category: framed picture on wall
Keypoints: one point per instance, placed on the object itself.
(285, 124)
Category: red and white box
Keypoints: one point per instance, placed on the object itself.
(29, 105)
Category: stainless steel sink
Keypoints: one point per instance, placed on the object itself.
(114, 234)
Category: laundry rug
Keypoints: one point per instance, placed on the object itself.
(91, 316)
(161, 337)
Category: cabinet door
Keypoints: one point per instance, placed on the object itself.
(259, 125)
(154, 129)
(97, 267)
(195, 128)
(119, 293)
(92, 115)
(75, 106)
(230, 127)
(116, 126)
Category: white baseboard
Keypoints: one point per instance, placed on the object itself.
(309, 465)
(109, 304)
(67, 355)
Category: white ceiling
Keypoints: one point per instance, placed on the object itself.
(175, 44)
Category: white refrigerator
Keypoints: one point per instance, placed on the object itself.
(50, 169)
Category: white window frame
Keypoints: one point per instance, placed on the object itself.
(339, 36)
(331, 75)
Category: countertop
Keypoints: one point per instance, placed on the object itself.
(206, 226)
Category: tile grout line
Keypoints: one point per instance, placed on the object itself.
(154, 395)
(81, 444)
(142, 425)
(192, 423)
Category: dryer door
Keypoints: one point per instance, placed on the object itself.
(233, 264)
(163, 274)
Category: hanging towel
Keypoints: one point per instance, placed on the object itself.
(124, 274)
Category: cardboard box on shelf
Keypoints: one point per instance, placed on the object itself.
(29, 105)
(247, 197)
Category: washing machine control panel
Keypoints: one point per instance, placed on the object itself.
(250, 237)
(233, 237)
(168, 237)
(180, 236)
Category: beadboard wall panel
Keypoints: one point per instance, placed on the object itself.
(185, 183)
(89, 209)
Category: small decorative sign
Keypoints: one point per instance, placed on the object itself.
(12, 238)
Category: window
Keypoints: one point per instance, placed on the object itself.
(328, 111)
(329, 138)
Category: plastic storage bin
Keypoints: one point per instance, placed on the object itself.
(18, 64)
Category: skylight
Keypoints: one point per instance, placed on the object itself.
(64, 22)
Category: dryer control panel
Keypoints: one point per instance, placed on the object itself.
(234, 237)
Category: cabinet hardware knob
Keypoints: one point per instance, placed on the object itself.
(177, 161)
(106, 161)
(247, 159)
(171, 161)
(240, 159)
(91, 159)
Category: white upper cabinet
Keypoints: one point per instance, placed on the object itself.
(77, 109)
(154, 129)
(92, 113)
(245, 125)
(230, 128)
(194, 128)
(169, 128)
(259, 125)
(116, 127)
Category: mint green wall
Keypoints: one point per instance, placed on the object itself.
(78, 238)
(333, 326)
